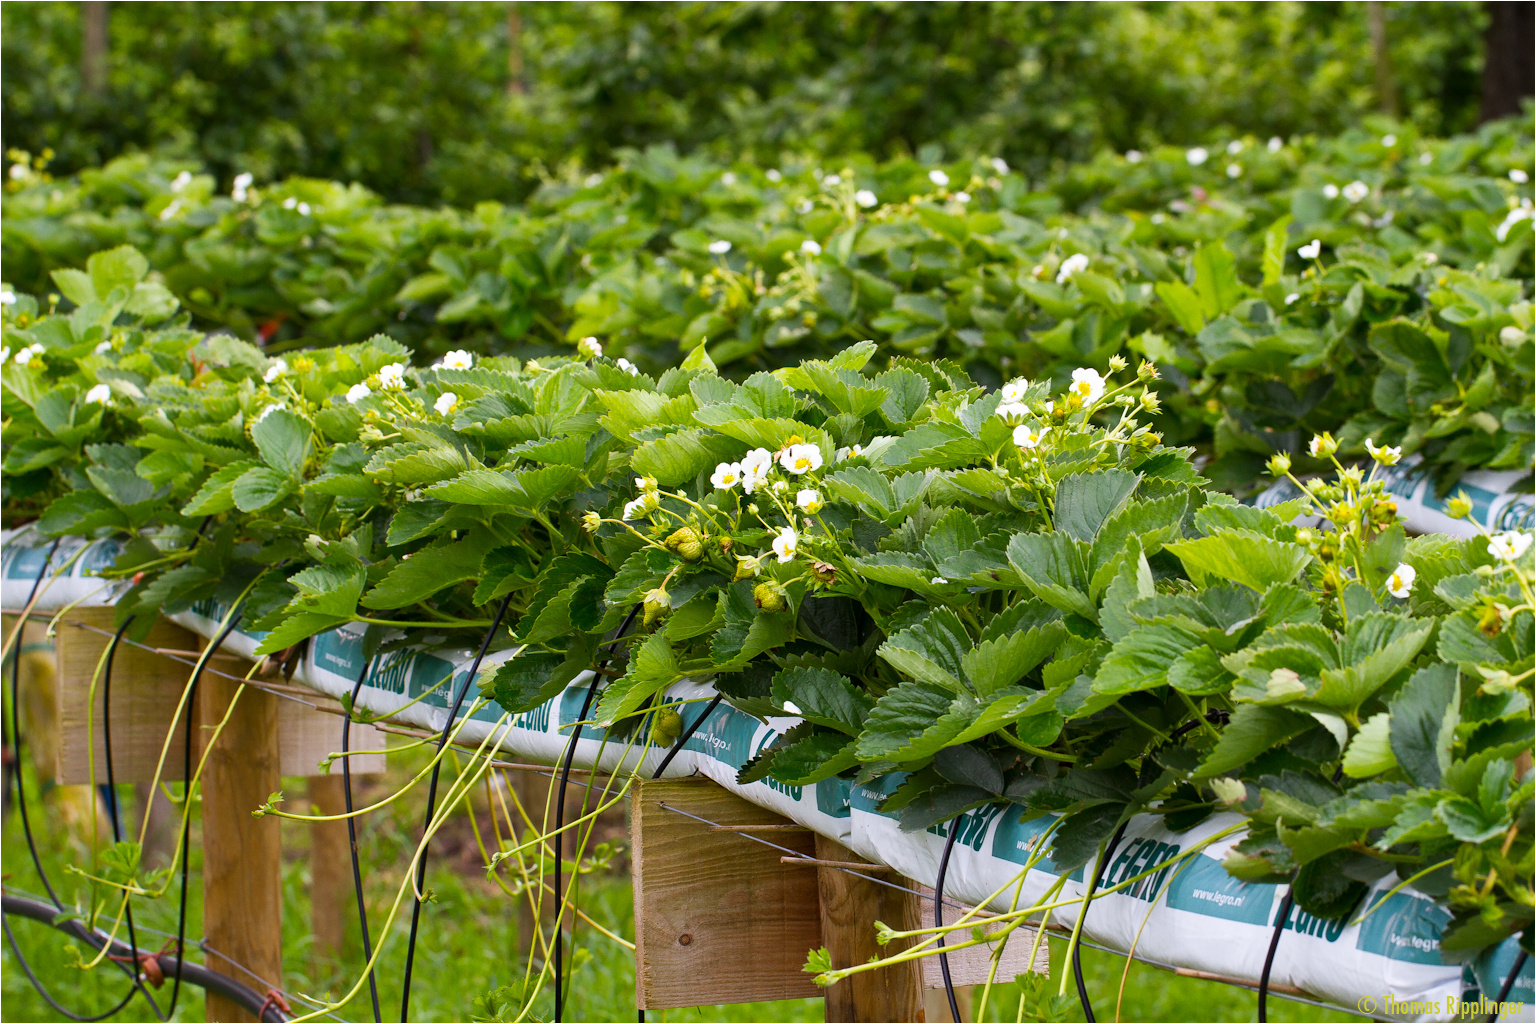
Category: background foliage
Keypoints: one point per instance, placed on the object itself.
(430, 102)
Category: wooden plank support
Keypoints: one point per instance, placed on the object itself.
(850, 906)
(717, 918)
(242, 855)
(146, 689)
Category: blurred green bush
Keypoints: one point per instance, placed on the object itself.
(432, 103)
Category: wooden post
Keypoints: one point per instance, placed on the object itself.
(330, 867)
(242, 855)
(718, 918)
(850, 906)
(93, 46)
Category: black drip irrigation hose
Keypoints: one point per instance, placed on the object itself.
(186, 796)
(565, 777)
(421, 866)
(26, 828)
(357, 871)
(1269, 957)
(117, 824)
(938, 920)
(248, 998)
(1077, 947)
(1509, 984)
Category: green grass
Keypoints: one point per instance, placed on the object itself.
(469, 946)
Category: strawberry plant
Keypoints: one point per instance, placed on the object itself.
(1017, 596)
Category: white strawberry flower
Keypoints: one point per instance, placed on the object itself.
(1026, 436)
(1509, 545)
(726, 475)
(720, 247)
(810, 247)
(1292, 297)
(1356, 191)
(1012, 410)
(7, 298)
(938, 581)
(774, 174)
(628, 367)
(458, 359)
(1087, 384)
(101, 394)
(27, 354)
(1013, 391)
(635, 509)
(786, 544)
(357, 392)
(832, 180)
(939, 178)
(446, 403)
(589, 347)
(1331, 190)
(999, 165)
(851, 452)
(242, 187)
(1387, 455)
(866, 199)
(1197, 156)
(962, 197)
(1275, 143)
(5, 353)
(1389, 140)
(392, 377)
(1311, 250)
(1518, 176)
(755, 467)
(1400, 583)
(808, 499)
(1071, 267)
(1234, 170)
(277, 369)
(801, 458)
(181, 181)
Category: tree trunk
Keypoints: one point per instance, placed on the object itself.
(1386, 90)
(1508, 70)
(93, 46)
(515, 83)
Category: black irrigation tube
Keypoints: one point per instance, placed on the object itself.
(197, 974)
(1269, 957)
(565, 777)
(421, 866)
(26, 828)
(357, 871)
(1077, 960)
(938, 919)
(117, 822)
(1509, 983)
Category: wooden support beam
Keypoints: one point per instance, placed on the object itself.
(331, 899)
(146, 689)
(850, 906)
(242, 855)
(717, 918)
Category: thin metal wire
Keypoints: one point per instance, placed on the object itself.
(798, 855)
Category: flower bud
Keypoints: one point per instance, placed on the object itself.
(1146, 371)
(591, 521)
(1279, 465)
(1117, 363)
(770, 597)
(657, 603)
(686, 543)
(1458, 507)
